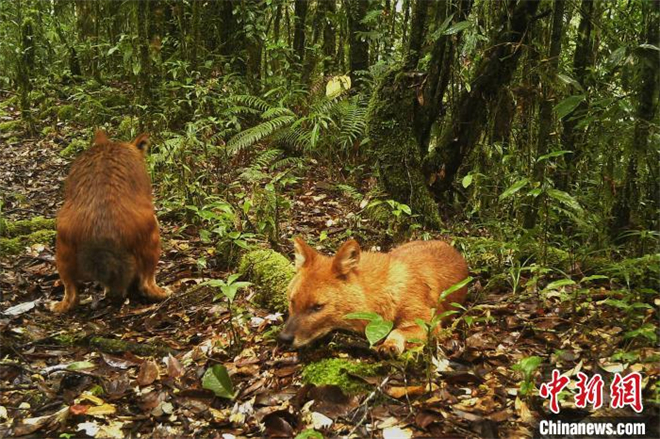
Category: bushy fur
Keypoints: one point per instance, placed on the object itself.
(106, 230)
(401, 286)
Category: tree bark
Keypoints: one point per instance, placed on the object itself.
(493, 72)
(299, 17)
(583, 58)
(545, 108)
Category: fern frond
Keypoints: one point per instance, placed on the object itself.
(249, 137)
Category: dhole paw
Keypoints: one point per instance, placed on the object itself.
(61, 307)
(391, 348)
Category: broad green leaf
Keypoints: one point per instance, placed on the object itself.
(336, 85)
(553, 154)
(528, 365)
(566, 107)
(309, 434)
(377, 330)
(649, 46)
(617, 56)
(80, 365)
(515, 187)
(216, 379)
(467, 181)
(363, 316)
(455, 287)
(456, 28)
(559, 283)
(568, 80)
(564, 198)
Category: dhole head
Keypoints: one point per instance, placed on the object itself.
(321, 293)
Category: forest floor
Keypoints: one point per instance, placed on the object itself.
(61, 377)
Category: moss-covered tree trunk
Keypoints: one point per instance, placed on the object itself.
(394, 147)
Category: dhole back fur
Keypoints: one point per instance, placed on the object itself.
(106, 229)
(402, 286)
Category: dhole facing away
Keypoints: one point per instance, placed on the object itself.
(106, 230)
(401, 286)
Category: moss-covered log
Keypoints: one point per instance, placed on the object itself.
(12, 229)
(394, 144)
(114, 346)
(270, 272)
(13, 246)
(342, 373)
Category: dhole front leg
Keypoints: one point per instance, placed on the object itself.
(395, 343)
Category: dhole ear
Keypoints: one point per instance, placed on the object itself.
(303, 253)
(347, 257)
(100, 138)
(141, 142)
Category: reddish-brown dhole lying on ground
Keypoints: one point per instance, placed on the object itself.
(106, 230)
(401, 286)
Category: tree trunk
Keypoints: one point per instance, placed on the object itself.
(329, 37)
(583, 58)
(628, 202)
(299, 17)
(356, 10)
(545, 108)
(414, 48)
(492, 73)
(394, 147)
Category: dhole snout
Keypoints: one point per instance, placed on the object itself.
(401, 286)
(106, 229)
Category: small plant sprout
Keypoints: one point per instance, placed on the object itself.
(527, 366)
(228, 289)
(377, 328)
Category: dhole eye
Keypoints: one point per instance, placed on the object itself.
(318, 307)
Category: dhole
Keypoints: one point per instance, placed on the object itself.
(401, 286)
(106, 230)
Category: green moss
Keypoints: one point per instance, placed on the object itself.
(25, 227)
(114, 346)
(271, 273)
(10, 126)
(394, 148)
(74, 148)
(46, 131)
(66, 112)
(68, 339)
(340, 372)
(12, 246)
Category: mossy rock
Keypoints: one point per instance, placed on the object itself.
(270, 272)
(10, 126)
(66, 113)
(74, 148)
(341, 372)
(25, 227)
(13, 246)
